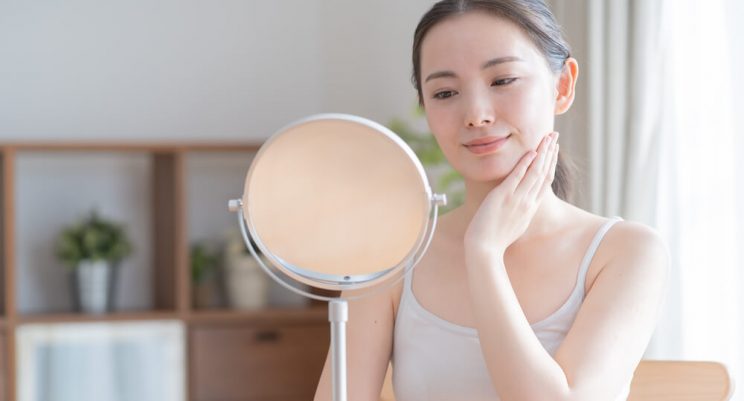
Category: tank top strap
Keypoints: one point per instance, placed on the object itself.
(584, 267)
(408, 283)
(580, 279)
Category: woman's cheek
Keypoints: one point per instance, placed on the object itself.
(441, 125)
(534, 116)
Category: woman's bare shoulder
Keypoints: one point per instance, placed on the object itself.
(626, 237)
(626, 245)
(632, 238)
(637, 246)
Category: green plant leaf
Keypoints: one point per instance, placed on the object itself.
(426, 148)
(203, 262)
(92, 238)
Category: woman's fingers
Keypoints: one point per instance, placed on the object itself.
(547, 146)
(550, 160)
(517, 174)
(550, 174)
(536, 172)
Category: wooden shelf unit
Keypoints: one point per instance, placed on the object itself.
(7, 244)
(248, 333)
(3, 364)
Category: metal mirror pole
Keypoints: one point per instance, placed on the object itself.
(338, 315)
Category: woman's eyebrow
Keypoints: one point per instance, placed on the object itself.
(500, 60)
(488, 64)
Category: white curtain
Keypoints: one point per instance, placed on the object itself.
(704, 183)
(663, 129)
(613, 131)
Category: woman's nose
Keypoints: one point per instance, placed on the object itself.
(480, 112)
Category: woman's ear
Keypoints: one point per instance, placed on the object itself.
(566, 85)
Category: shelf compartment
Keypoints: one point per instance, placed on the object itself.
(57, 189)
(212, 179)
(272, 361)
(139, 359)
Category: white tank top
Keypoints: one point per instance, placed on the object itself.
(434, 359)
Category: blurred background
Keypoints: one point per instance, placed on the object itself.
(148, 114)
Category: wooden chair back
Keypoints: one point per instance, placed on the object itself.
(680, 381)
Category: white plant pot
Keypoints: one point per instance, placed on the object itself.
(94, 282)
(247, 284)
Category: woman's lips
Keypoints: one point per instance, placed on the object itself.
(486, 145)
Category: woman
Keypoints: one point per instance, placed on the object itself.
(521, 295)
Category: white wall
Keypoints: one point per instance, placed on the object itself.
(367, 45)
(192, 69)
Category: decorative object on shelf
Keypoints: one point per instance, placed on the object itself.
(93, 249)
(247, 286)
(445, 179)
(204, 266)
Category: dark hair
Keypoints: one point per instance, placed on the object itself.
(535, 19)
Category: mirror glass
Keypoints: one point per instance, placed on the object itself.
(336, 199)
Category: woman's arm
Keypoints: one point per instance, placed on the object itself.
(613, 326)
(605, 343)
(369, 340)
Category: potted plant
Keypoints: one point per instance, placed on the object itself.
(92, 249)
(204, 264)
(443, 177)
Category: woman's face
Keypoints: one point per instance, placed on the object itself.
(484, 80)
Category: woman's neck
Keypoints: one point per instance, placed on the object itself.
(546, 220)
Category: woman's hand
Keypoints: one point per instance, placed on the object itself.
(507, 210)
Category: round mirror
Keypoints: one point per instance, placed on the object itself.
(337, 202)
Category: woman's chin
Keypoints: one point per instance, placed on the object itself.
(485, 177)
(487, 170)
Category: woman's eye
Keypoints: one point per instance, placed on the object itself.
(443, 94)
(502, 82)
